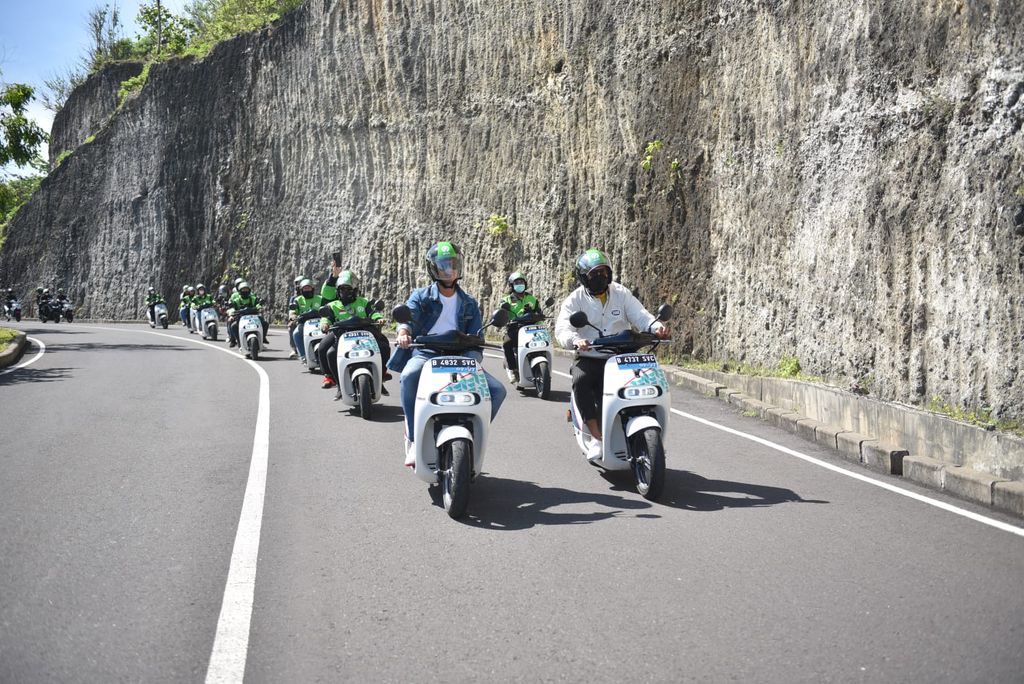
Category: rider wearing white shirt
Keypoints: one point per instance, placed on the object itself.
(612, 309)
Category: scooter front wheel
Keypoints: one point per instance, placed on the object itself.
(163, 323)
(365, 396)
(254, 347)
(648, 462)
(456, 457)
(542, 379)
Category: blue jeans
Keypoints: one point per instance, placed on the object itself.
(411, 378)
(184, 317)
(299, 342)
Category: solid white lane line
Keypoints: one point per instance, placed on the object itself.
(39, 355)
(977, 517)
(231, 643)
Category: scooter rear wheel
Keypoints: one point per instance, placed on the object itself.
(648, 462)
(542, 379)
(365, 397)
(456, 459)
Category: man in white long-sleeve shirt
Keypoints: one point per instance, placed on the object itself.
(612, 309)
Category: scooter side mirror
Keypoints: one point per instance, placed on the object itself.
(579, 319)
(506, 306)
(665, 312)
(401, 314)
(377, 304)
(499, 318)
(326, 311)
(549, 301)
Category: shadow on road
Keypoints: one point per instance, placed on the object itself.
(382, 413)
(25, 376)
(507, 505)
(692, 492)
(105, 346)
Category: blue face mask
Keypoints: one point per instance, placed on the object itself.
(519, 288)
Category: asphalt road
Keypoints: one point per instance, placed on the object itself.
(124, 462)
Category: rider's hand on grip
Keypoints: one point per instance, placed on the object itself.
(404, 339)
(582, 344)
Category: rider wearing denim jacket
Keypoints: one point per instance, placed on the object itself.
(441, 305)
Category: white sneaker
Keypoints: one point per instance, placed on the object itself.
(293, 355)
(594, 450)
(511, 375)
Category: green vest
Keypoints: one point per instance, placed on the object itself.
(357, 308)
(518, 303)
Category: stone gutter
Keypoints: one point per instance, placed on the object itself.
(983, 466)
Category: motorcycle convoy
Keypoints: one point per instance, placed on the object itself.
(452, 411)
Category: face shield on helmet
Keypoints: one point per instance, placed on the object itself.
(444, 263)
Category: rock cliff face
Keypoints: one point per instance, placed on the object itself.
(89, 108)
(836, 181)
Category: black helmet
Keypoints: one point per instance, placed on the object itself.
(39, 290)
(444, 261)
(594, 271)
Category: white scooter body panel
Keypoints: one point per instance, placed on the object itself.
(533, 345)
(250, 326)
(312, 335)
(208, 323)
(358, 354)
(632, 374)
(159, 311)
(459, 378)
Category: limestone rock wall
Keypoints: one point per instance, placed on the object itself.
(837, 181)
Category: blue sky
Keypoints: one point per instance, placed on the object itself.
(39, 38)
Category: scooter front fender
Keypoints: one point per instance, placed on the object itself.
(638, 423)
(452, 432)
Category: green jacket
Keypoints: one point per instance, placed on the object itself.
(307, 304)
(360, 307)
(200, 301)
(185, 301)
(154, 298)
(520, 302)
(240, 302)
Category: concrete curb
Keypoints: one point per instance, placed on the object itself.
(13, 351)
(872, 452)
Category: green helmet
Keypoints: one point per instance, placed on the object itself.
(444, 261)
(348, 278)
(594, 271)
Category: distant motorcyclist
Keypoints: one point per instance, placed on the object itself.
(185, 306)
(152, 299)
(243, 299)
(612, 309)
(293, 317)
(341, 292)
(304, 305)
(520, 301)
(61, 295)
(200, 301)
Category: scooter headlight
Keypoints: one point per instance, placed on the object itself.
(359, 354)
(641, 392)
(456, 398)
(536, 343)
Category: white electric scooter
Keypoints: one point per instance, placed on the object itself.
(360, 371)
(533, 351)
(160, 313)
(452, 415)
(205, 321)
(312, 336)
(635, 405)
(250, 332)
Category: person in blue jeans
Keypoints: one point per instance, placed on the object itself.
(439, 308)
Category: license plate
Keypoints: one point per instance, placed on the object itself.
(634, 361)
(356, 334)
(449, 365)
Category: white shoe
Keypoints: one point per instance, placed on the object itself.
(594, 450)
(293, 355)
(410, 454)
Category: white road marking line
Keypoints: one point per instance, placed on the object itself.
(231, 643)
(977, 517)
(39, 355)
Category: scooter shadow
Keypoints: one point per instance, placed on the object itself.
(506, 505)
(691, 492)
(556, 396)
(382, 413)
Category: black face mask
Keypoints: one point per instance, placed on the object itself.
(597, 284)
(347, 296)
(307, 295)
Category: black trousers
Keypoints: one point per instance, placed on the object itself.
(329, 360)
(587, 386)
(509, 346)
